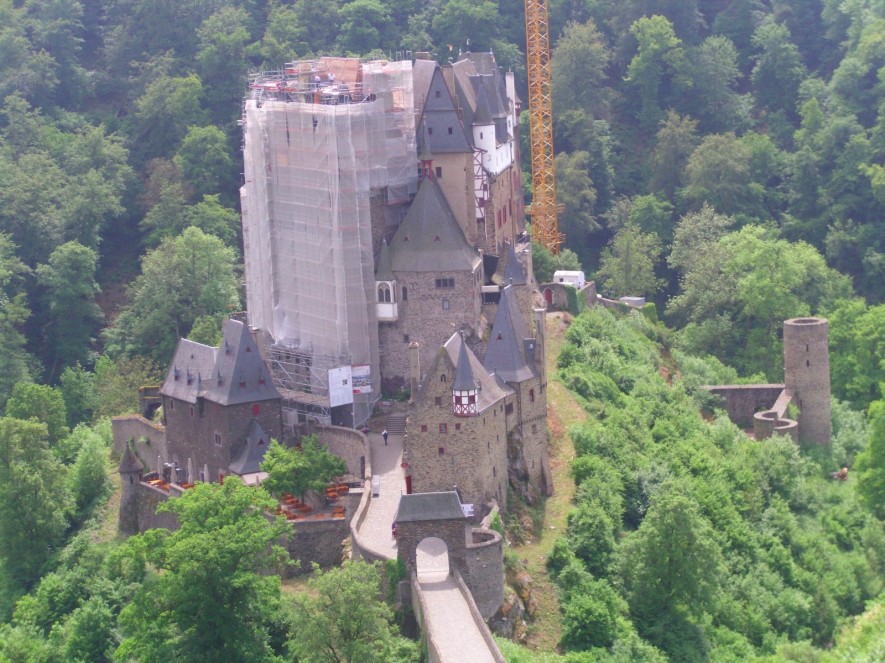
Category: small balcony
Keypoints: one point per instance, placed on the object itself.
(386, 311)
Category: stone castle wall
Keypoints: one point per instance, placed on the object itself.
(149, 438)
(471, 454)
(742, 401)
(428, 316)
(485, 570)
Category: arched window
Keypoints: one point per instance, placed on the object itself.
(384, 293)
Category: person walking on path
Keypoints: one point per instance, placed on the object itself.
(384, 435)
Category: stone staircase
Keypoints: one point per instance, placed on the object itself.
(396, 424)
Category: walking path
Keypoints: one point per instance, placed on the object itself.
(386, 460)
(451, 624)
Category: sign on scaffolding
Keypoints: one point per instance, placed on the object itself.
(341, 388)
(362, 379)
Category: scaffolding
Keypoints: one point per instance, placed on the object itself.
(320, 137)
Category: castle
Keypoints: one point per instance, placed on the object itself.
(385, 251)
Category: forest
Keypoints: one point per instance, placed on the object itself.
(723, 158)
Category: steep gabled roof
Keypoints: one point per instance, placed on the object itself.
(510, 271)
(440, 126)
(506, 352)
(250, 458)
(240, 374)
(231, 374)
(383, 270)
(192, 364)
(417, 507)
(429, 239)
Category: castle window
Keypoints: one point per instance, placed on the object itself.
(441, 451)
(480, 135)
(256, 409)
(384, 293)
(171, 405)
(405, 294)
(438, 401)
(430, 131)
(439, 171)
(443, 429)
(508, 408)
(423, 428)
(446, 283)
(436, 93)
(807, 363)
(457, 426)
(450, 131)
(405, 338)
(534, 428)
(494, 471)
(192, 410)
(218, 439)
(445, 304)
(443, 378)
(531, 395)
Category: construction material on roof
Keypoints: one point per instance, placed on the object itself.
(322, 138)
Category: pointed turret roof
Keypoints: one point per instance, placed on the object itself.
(429, 239)
(440, 124)
(510, 271)
(506, 352)
(250, 458)
(383, 271)
(129, 463)
(464, 380)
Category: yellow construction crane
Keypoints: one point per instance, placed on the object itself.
(545, 228)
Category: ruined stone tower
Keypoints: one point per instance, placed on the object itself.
(807, 374)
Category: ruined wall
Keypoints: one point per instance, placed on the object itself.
(742, 401)
(532, 413)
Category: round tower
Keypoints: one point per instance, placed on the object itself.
(807, 373)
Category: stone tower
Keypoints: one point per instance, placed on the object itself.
(807, 374)
(131, 470)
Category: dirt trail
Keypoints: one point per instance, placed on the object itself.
(563, 411)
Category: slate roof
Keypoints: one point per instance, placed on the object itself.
(422, 75)
(506, 352)
(440, 126)
(383, 271)
(464, 380)
(129, 462)
(510, 271)
(250, 458)
(231, 374)
(429, 239)
(429, 506)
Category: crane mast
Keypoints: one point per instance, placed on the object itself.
(545, 228)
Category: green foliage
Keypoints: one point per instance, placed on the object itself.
(117, 383)
(212, 600)
(184, 278)
(89, 480)
(627, 268)
(857, 344)
(69, 278)
(43, 404)
(77, 386)
(721, 546)
(871, 462)
(545, 264)
(294, 470)
(344, 619)
(34, 502)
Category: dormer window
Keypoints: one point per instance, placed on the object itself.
(190, 378)
(176, 374)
